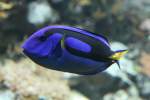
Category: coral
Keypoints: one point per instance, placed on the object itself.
(31, 81)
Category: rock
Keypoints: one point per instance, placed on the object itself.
(133, 54)
(129, 94)
(43, 98)
(118, 46)
(145, 25)
(7, 95)
(77, 96)
(96, 86)
(84, 2)
(6, 5)
(144, 61)
(143, 84)
(142, 6)
(40, 12)
(32, 81)
(149, 37)
(56, 1)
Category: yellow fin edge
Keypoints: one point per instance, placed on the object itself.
(118, 55)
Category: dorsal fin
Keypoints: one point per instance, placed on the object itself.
(99, 35)
(62, 29)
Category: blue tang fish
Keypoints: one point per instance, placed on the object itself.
(71, 49)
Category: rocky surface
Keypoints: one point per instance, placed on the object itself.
(40, 12)
(25, 80)
(28, 80)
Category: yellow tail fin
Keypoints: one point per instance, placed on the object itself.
(118, 54)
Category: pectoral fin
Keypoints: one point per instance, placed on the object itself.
(63, 42)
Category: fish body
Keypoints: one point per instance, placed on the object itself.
(70, 49)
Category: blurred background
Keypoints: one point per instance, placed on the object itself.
(126, 23)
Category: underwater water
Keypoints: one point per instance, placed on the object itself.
(125, 23)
